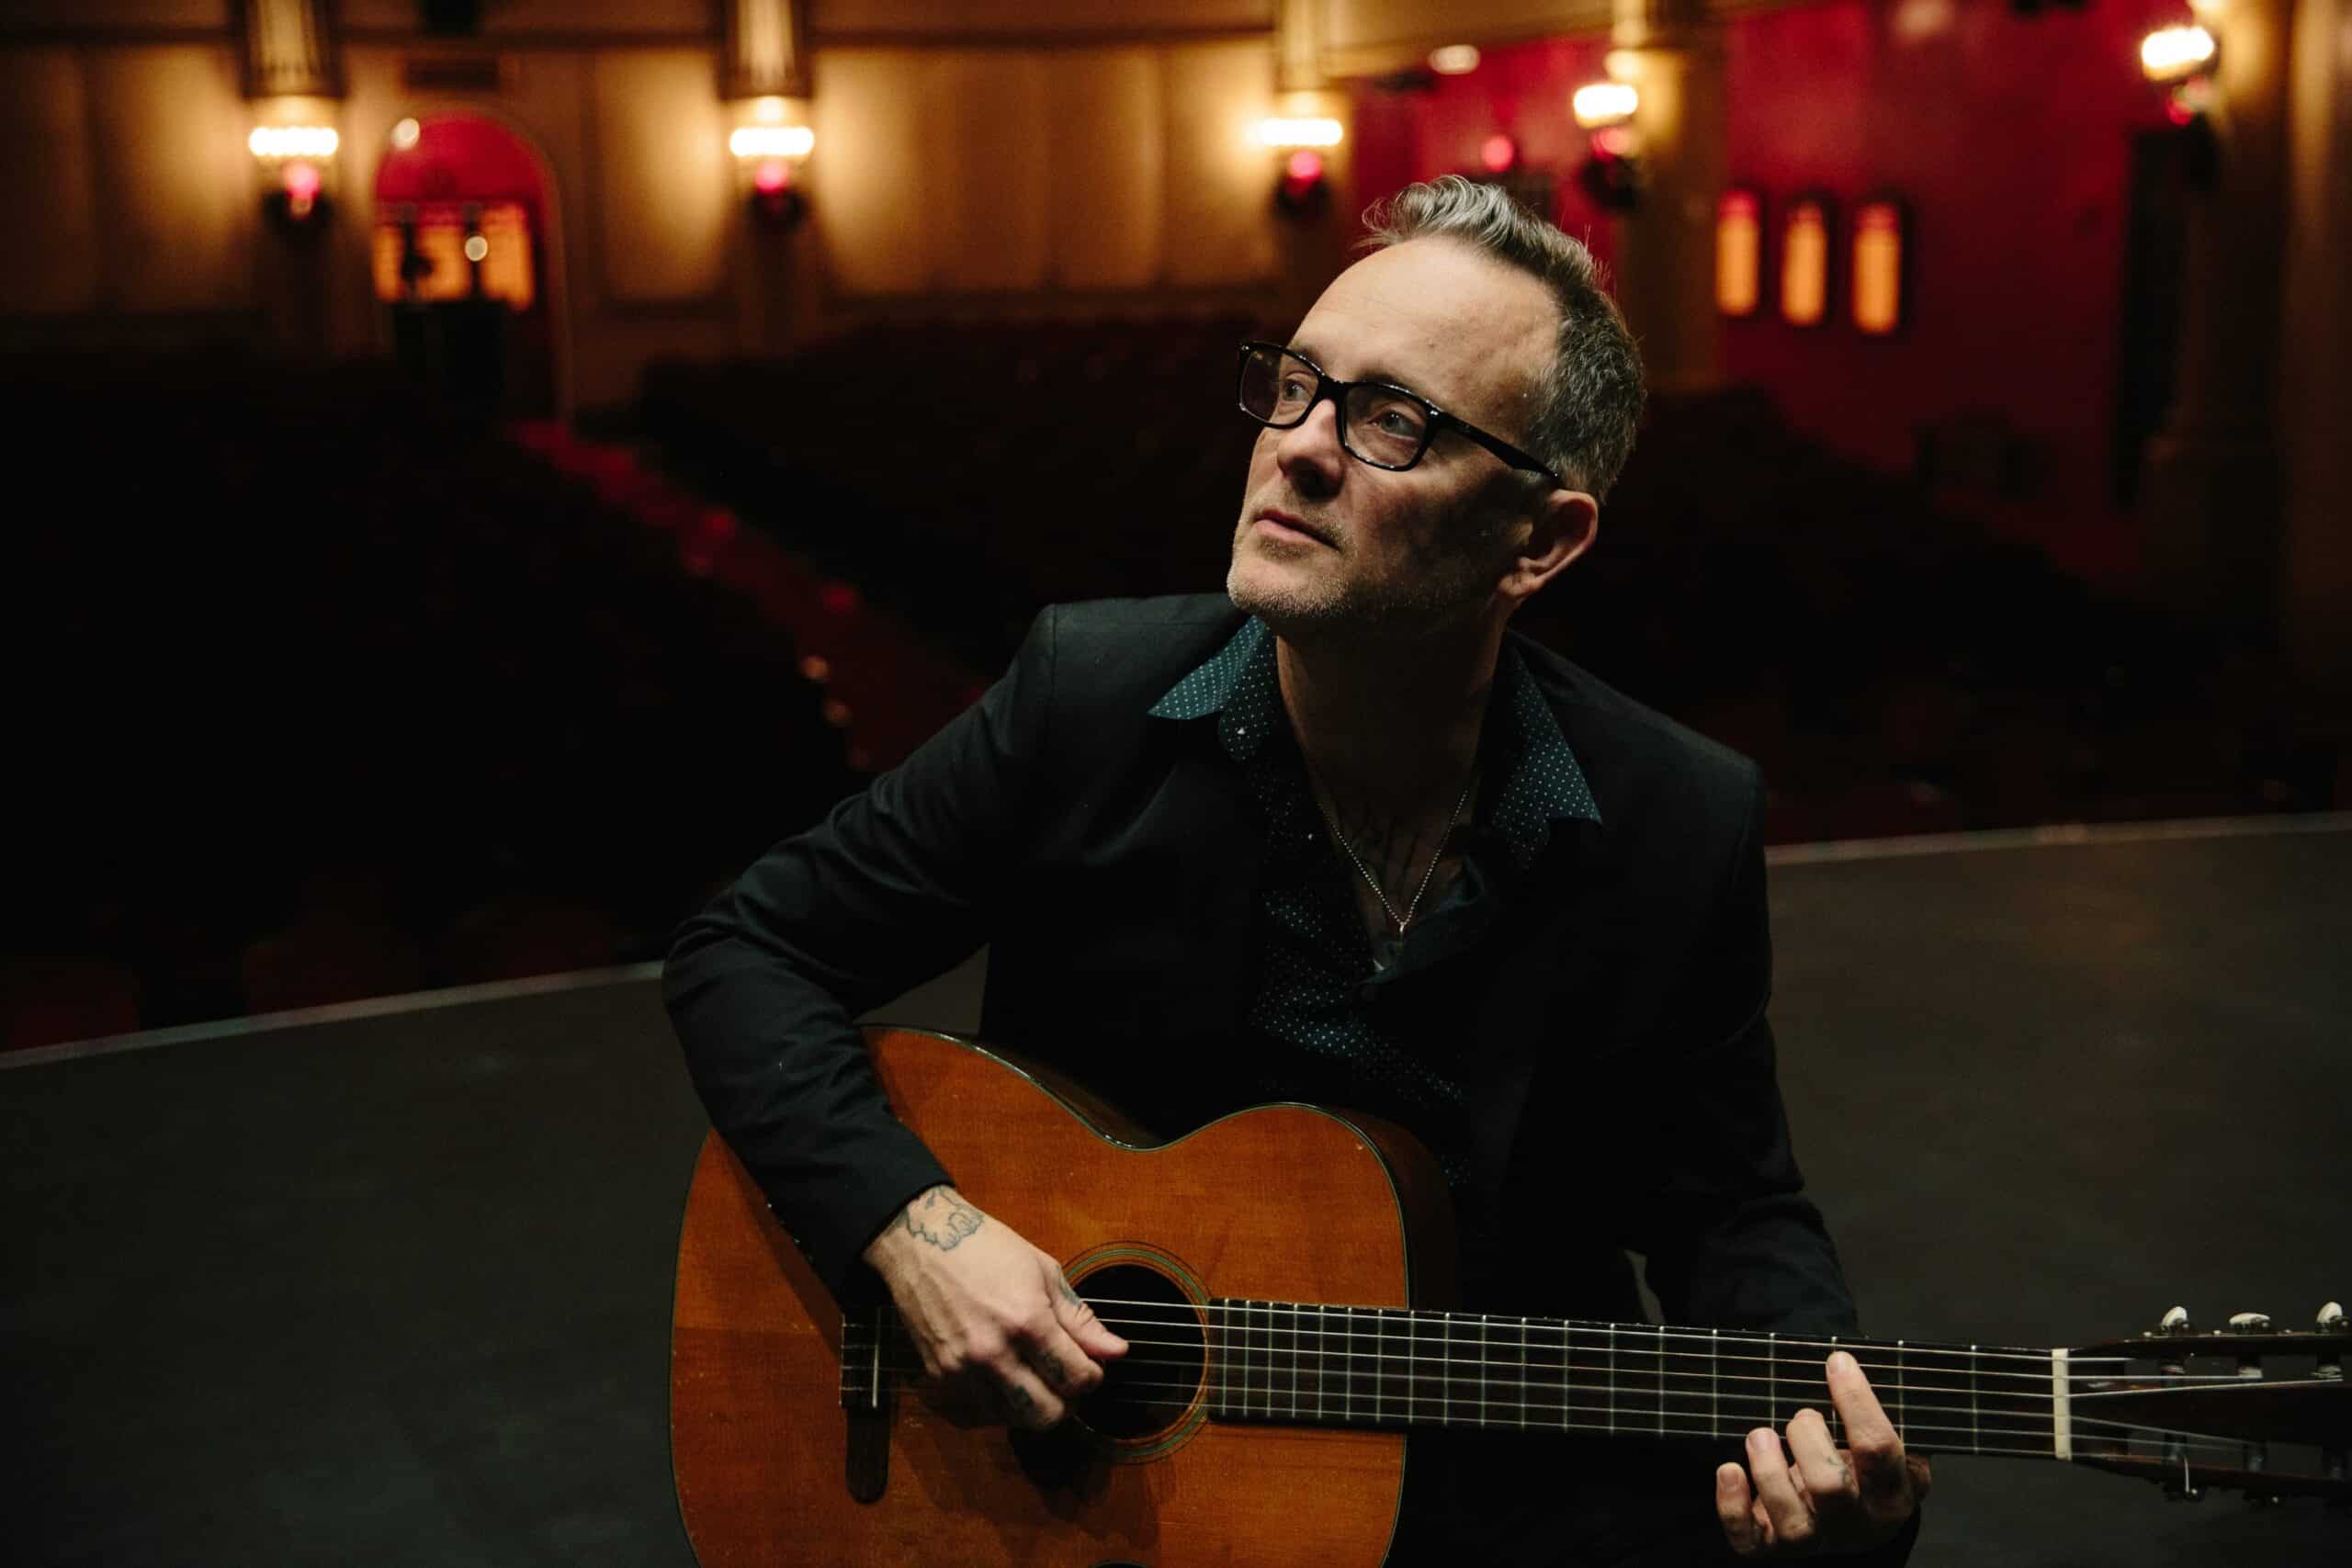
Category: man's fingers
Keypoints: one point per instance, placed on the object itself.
(1882, 1479)
(1077, 1320)
(1788, 1515)
(1060, 1364)
(1822, 1468)
(1733, 1507)
(1027, 1401)
(1923, 1476)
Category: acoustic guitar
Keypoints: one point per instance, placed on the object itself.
(1272, 1274)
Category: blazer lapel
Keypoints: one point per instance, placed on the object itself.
(1520, 1025)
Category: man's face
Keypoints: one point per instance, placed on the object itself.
(1325, 541)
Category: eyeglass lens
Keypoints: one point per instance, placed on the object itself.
(1381, 426)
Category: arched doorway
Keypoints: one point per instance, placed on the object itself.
(464, 263)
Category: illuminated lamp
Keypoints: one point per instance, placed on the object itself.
(773, 143)
(1599, 104)
(293, 161)
(1739, 253)
(1304, 187)
(754, 142)
(1804, 262)
(1499, 154)
(1877, 265)
(1282, 132)
(2177, 53)
(1454, 59)
(1613, 175)
(2179, 60)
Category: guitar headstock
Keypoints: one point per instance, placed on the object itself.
(2249, 1408)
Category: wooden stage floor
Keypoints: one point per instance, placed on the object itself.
(391, 1286)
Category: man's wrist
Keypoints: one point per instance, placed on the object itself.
(894, 1244)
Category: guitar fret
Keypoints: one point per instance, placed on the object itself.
(1716, 1382)
(1975, 1422)
(1567, 1375)
(1835, 1423)
(1322, 1331)
(1291, 1362)
(1658, 1367)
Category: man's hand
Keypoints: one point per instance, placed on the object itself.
(1833, 1499)
(996, 1323)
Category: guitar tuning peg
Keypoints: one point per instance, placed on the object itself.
(2249, 1323)
(2331, 1316)
(2174, 1322)
(2331, 1362)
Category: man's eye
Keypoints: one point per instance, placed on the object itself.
(1296, 388)
(1397, 422)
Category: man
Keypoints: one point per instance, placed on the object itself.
(1342, 838)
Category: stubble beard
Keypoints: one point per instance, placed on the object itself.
(1425, 595)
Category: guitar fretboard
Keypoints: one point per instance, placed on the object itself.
(1378, 1367)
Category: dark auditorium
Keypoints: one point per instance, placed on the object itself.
(1177, 784)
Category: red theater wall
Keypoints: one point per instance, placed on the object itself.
(2010, 139)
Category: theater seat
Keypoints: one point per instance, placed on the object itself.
(518, 935)
(48, 999)
(323, 958)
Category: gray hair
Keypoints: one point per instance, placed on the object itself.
(1591, 397)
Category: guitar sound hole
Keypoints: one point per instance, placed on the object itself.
(1151, 1387)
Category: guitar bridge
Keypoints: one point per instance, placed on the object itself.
(866, 1403)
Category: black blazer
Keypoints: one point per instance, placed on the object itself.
(1624, 1073)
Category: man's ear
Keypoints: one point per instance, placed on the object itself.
(1561, 527)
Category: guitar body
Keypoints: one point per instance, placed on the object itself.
(1281, 1203)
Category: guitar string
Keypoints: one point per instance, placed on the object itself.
(1635, 1421)
(1383, 1392)
(1858, 1348)
(1439, 1348)
(2293, 1343)
(1579, 1325)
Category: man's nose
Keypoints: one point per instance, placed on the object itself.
(1309, 453)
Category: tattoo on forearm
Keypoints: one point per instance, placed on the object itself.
(943, 1219)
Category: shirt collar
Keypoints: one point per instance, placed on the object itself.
(1543, 784)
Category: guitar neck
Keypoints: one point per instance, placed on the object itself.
(1300, 1364)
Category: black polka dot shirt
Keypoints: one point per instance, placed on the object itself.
(1333, 1029)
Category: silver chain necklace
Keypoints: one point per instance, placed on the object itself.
(1386, 947)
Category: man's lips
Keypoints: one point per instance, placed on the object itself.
(1284, 523)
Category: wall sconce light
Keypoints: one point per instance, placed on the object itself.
(1613, 175)
(1600, 104)
(1739, 253)
(1804, 262)
(1304, 187)
(293, 161)
(1880, 251)
(2180, 61)
(2177, 53)
(1454, 59)
(771, 147)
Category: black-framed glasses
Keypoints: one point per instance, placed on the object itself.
(1386, 427)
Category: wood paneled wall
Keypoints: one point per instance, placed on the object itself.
(951, 170)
